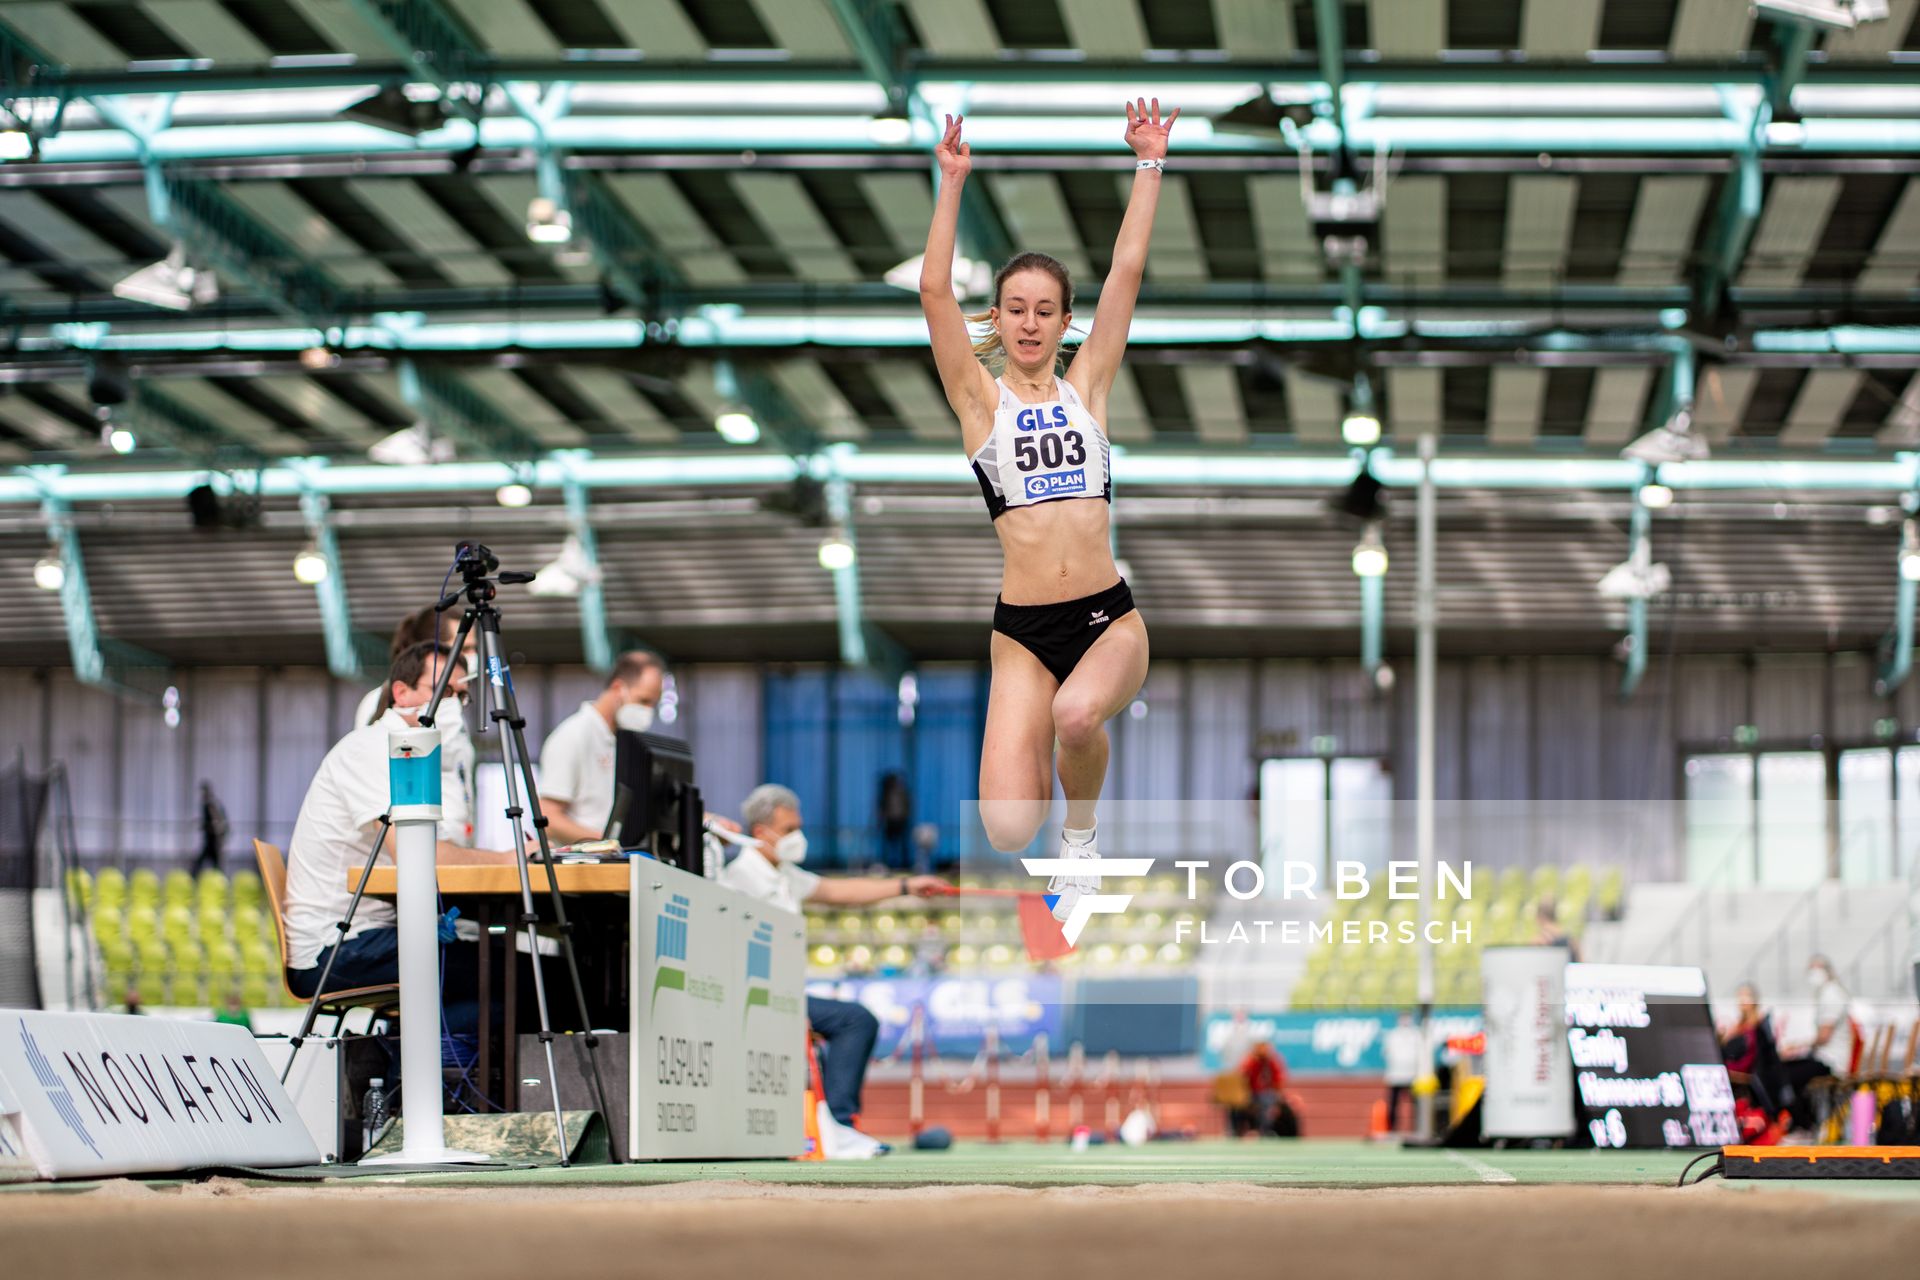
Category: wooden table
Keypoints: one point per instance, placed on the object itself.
(494, 891)
(465, 880)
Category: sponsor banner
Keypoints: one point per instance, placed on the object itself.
(1325, 1043)
(718, 1044)
(1529, 1076)
(959, 1010)
(93, 1094)
(1647, 1066)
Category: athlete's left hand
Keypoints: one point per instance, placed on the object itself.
(927, 886)
(1146, 132)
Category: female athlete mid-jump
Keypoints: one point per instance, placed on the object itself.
(1068, 649)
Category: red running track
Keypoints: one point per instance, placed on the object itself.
(1329, 1107)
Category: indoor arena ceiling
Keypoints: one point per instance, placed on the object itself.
(1565, 202)
(1594, 212)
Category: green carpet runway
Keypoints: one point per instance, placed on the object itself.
(1284, 1164)
(1329, 1164)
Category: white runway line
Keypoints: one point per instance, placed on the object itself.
(1486, 1172)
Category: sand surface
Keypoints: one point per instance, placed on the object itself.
(728, 1229)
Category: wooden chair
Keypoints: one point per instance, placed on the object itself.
(384, 998)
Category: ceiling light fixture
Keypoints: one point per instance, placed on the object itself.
(547, 222)
(736, 426)
(836, 552)
(1370, 554)
(170, 283)
(310, 566)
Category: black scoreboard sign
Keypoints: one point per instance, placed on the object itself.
(1646, 1064)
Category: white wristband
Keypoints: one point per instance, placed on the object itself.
(1156, 165)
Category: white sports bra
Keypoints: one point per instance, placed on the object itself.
(1042, 453)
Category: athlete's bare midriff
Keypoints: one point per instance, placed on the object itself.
(1055, 551)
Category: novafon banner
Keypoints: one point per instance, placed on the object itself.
(91, 1094)
(1529, 1075)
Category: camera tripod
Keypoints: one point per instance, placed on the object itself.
(498, 702)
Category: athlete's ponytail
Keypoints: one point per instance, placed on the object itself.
(988, 347)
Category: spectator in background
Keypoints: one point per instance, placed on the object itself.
(1548, 931)
(213, 829)
(1831, 1052)
(770, 871)
(1404, 1048)
(1752, 1058)
(133, 1001)
(576, 761)
(894, 813)
(233, 1012)
(926, 843)
(1266, 1075)
(1230, 1089)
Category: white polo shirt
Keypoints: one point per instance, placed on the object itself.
(784, 885)
(338, 823)
(1831, 1003)
(576, 768)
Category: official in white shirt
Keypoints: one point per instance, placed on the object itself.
(771, 872)
(338, 824)
(457, 758)
(576, 761)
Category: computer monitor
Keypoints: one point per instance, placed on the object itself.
(656, 807)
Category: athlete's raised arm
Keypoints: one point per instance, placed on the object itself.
(965, 380)
(1098, 360)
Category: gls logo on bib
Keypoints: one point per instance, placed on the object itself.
(1052, 486)
(1038, 419)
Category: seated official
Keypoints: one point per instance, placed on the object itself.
(457, 758)
(338, 824)
(770, 871)
(576, 761)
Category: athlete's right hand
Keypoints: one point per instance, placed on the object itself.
(954, 156)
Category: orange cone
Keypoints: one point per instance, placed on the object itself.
(1377, 1119)
(810, 1099)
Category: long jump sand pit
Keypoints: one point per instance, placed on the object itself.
(717, 1228)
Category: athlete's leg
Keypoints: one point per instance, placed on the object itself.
(1104, 681)
(1016, 776)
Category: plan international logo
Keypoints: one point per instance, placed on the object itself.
(1090, 904)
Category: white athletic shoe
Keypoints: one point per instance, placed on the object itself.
(1069, 889)
(844, 1142)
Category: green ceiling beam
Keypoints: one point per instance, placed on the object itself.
(595, 640)
(874, 29)
(218, 232)
(862, 644)
(121, 669)
(1013, 66)
(454, 409)
(782, 423)
(777, 131)
(1138, 466)
(1640, 533)
(1896, 662)
(346, 650)
(432, 43)
(154, 415)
